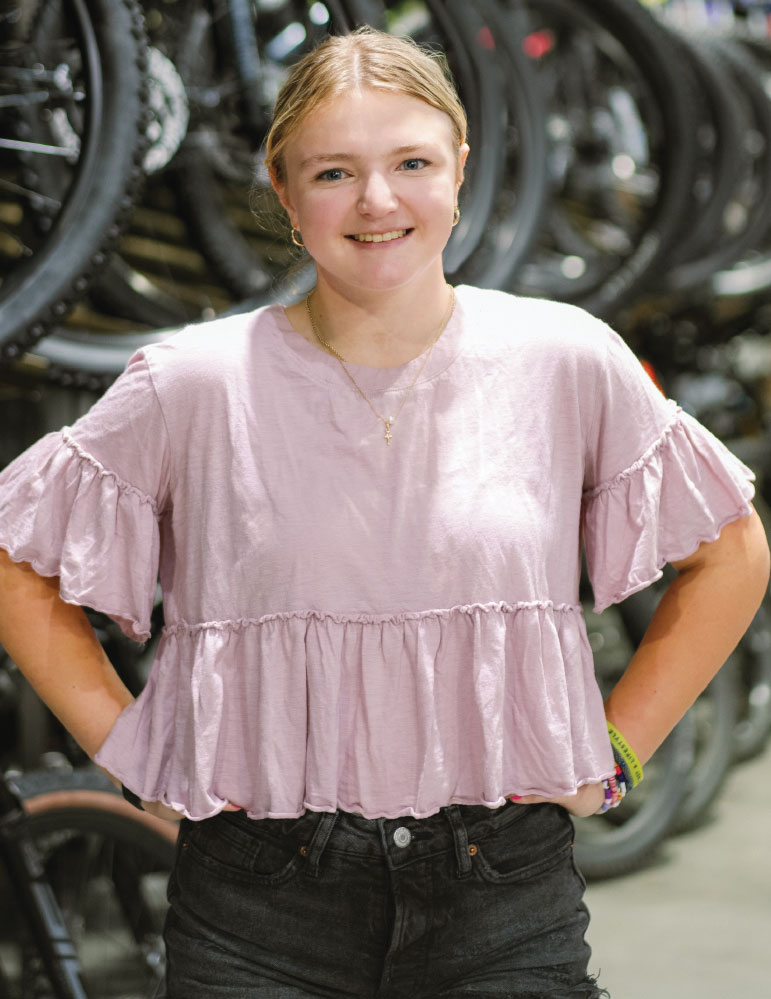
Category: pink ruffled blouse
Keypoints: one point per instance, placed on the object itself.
(382, 628)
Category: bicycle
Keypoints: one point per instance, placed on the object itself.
(73, 90)
(227, 59)
(86, 873)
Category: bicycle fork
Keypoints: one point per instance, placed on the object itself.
(21, 858)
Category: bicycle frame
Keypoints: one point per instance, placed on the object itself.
(38, 907)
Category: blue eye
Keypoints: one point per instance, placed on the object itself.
(414, 164)
(334, 173)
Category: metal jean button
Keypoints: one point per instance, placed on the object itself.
(402, 836)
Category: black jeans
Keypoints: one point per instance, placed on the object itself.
(468, 902)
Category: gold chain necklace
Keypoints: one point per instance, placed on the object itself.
(387, 421)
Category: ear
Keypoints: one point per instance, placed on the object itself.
(462, 157)
(282, 194)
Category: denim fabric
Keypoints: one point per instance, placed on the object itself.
(468, 902)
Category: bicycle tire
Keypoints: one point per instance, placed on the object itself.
(715, 715)
(722, 132)
(753, 727)
(516, 215)
(97, 196)
(188, 254)
(712, 718)
(93, 359)
(751, 275)
(726, 248)
(575, 261)
(454, 27)
(108, 864)
(626, 838)
(210, 200)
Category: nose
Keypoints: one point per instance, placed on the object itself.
(376, 197)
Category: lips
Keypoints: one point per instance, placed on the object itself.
(379, 237)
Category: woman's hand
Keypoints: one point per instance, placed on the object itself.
(586, 801)
(161, 811)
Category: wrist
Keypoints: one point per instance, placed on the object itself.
(628, 767)
(131, 798)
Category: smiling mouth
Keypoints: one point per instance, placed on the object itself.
(379, 237)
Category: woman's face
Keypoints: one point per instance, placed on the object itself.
(371, 182)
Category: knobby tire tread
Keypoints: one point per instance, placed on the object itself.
(39, 293)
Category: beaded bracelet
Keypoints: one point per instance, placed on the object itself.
(625, 757)
(615, 789)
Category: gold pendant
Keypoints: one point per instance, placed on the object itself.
(388, 434)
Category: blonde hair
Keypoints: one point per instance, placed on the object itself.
(364, 58)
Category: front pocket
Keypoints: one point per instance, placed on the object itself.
(524, 849)
(236, 853)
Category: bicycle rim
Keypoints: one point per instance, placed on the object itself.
(108, 870)
(618, 192)
(68, 213)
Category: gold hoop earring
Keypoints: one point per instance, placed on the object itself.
(297, 237)
(456, 216)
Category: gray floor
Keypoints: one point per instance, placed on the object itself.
(697, 924)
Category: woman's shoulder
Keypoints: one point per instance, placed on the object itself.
(508, 322)
(222, 337)
(213, 350)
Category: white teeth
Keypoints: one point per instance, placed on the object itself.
(380, 237)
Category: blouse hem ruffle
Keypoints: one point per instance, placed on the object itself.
(397, 812)
(386, 689)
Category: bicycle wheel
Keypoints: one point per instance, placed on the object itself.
(744, 222)
(751, 275)
(625, 838)
(71, 156)
(108, 865)
(240, 260)
(714, 716)
(753, 727)
(518, 171)
(218, 171)
(622, 131)
(724, 162)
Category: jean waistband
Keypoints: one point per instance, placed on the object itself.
(400, 841)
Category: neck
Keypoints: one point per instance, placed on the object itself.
(377, 330)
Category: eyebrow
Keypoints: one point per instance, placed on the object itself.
(347, 157)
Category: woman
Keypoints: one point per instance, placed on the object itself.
(374, 702)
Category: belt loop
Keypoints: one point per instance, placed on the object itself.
(460, 837)
(319, 839)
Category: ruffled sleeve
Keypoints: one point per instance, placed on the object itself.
(658, 483)
(84, 503)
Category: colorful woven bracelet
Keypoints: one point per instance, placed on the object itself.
(615, 789)
(625, 757)
(622, 765)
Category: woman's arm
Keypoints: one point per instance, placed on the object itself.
(54, 645)
(698, 623)
(56, 649)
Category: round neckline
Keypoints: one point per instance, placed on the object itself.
(321, 367)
